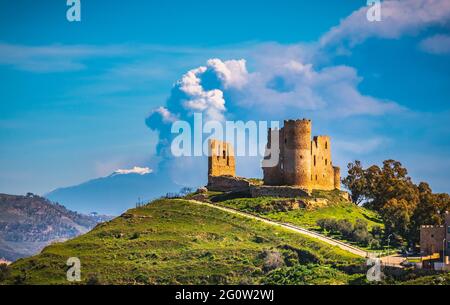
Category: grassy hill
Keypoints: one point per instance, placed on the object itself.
(337, 207)
(304, 212)
(175, 241)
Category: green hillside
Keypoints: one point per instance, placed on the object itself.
(175, 241)
(337, 208)
(307, 211)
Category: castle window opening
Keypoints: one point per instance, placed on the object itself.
(326, 145)
(316, 177)
(326, 161)
(314, 160)
(224, 154)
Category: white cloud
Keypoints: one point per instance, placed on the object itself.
(135, 170)
(197, 99)
(437, 44)
(232, 73)
(200, 90)
(291, 87)
(165, 114)
(397, 18)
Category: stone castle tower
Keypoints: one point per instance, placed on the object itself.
(220, 159)
(303, 162)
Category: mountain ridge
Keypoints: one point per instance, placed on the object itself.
(115, 193)
(30, 222)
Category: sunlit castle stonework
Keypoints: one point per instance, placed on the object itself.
(303, 164)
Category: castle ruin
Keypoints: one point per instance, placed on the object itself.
(303, 162)
(221, 159)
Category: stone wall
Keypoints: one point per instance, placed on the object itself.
(227, 184)
(431, 239)
(277, 191)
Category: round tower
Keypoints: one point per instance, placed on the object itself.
(297, 153)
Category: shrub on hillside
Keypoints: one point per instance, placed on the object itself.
(328, 224)
(358, 232)
(377, 231)
(272, 260)
(345, 227)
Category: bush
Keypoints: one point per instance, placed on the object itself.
(360, 224)
(272, 260)
(345, 227)
(375, 244)
(135, 235)
(357, 232)
(361, 236)
(142, 278)
(377, 231)
(328, 224)
(93, 280)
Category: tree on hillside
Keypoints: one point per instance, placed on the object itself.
(355, 181)
(403, 206)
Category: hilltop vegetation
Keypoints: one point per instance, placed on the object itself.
(311, 212)
(173, 241)
(402, 205)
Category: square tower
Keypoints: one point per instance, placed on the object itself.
(220, 159)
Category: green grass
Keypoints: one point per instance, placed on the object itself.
(338, 208)
(180, 242)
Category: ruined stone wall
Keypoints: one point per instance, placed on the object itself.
(322, 172)
(284, 191)
(337, 177)
(221, 160)
(431, 238)
(227, 184)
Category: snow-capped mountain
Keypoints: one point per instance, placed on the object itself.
(113, 194)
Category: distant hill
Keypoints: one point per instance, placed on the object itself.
(115, 193)
(28, 223)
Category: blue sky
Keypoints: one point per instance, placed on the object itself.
(75, 96)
